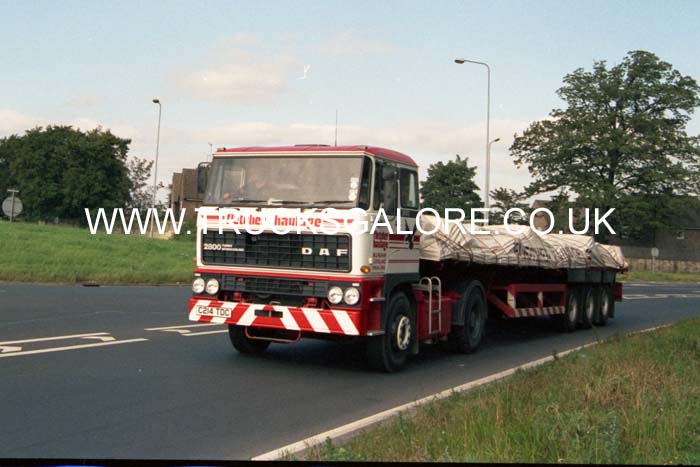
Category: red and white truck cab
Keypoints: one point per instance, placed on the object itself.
(284, 252)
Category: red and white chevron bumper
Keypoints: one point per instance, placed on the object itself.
(276, 316)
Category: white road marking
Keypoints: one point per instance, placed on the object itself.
(55, 338)
(70, 347)
(344, 430)
(218, 331)
(9, 348)
(101, 338)
(179, 331)
(165, 328)
(183, 331)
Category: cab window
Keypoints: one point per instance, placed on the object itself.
(409, 189)
(365, 183)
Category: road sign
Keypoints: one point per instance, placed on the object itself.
(12, 207)
(654, 252)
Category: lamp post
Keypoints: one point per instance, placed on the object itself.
(461, 61)
(155, 170)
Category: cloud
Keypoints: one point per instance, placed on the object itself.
(240, 75)
(85, 101)
(350, 42)
(426, 142)
(12, 122)
(120, 130)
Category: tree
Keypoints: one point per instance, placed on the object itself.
(141, 196)
(61, 170)
(620, 142)
(505, 199)
(451, 185)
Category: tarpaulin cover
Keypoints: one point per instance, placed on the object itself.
(525, 248)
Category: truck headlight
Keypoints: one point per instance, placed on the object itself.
(212, 286)
(198, 285)
(335, 295)
(352, 296)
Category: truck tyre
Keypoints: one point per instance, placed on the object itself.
(589, 306)
(567, 321)
(243, 343)
(611, 297)
(468, 338)
(603, 311)
(389, 351)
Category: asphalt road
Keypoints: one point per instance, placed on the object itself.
(108, 386)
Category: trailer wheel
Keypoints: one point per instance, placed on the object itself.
(468, 338)
(590, 307)
(243, 343)
(611, 299)
(389, 351)
(603, 312)
(567, 321)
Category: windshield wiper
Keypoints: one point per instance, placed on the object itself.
(237, 201)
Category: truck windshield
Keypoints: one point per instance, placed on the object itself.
(287, 181)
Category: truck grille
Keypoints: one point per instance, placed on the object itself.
(274, 285)
(323, 252)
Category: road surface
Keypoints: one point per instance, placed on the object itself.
(119, 372)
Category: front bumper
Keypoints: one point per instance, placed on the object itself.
(291, 318)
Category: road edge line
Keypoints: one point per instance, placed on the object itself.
(347, 429)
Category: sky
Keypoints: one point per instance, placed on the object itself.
(239, 73)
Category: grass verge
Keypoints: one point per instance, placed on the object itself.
(633, 399)
(660, 276)
(47, 253)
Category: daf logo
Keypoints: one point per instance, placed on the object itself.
(307, 251)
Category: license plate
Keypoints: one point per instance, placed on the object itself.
(217, 312)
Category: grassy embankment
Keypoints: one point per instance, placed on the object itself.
(649, 276)
(47, 253)
(633, 399)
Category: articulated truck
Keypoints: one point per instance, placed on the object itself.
(319, 241)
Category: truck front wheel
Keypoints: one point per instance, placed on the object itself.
(389, 351)
(243, 343)
(467, 338)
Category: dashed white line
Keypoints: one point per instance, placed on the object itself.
(218, 331)
(70, 347)
(165, 328)
(55, 338)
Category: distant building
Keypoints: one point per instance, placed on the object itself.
(184, 194)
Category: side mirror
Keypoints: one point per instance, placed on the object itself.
(202, 175)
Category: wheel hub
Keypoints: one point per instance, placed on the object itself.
(590, 308)
(403, 333)
(604, 306)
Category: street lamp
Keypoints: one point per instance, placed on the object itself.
(461, 61)
(488, 159)
(155, 171)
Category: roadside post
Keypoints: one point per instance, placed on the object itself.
(12, 206)
(654, 255)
